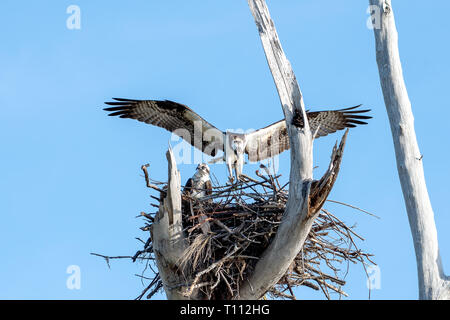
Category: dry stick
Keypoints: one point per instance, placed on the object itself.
(227, 191)
(211, 267)
(281, 294)
(158, 286)
(107, 258)
(359, 209)
(289, 287)
(147, 180)
(155, 280)
(341, 224)
(326, 276)
(227, 283)
(149, 217)
(330, 286)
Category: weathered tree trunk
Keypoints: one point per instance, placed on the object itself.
(432, 282)
(296, 222)
(167, 236)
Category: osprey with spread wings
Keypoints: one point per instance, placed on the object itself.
(258, 145)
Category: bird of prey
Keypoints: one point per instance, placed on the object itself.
(199, 185)
(261, 144)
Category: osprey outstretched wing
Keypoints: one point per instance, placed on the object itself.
(259, 145)
(273, 139)
(174, 117)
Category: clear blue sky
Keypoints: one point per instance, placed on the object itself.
(70, 176)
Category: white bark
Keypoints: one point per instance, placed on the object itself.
(296, 223)
(167, 236)
(432, 282)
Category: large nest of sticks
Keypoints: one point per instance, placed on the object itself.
(227, 232)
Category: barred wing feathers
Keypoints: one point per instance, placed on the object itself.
(272, 140)
(174, 117)
(327, 122)
(267, 142)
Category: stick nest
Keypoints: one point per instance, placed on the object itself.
(228, 231)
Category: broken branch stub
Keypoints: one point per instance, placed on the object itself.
(320, 189)
(167, 235)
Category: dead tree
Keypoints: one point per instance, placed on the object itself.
(305, 197)
(433, 284)
(297, 222)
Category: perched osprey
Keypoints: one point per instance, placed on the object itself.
(258, 145)
(199, 185)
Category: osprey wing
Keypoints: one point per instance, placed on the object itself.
(333, 120)
(267, 142)
(272, 140)
(208, 188)
(174, 117)
(188, 187)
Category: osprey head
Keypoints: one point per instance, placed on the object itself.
(203, 167)
(237, 144)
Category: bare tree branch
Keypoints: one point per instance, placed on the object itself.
(296, 222)
(167, 235)
(432, 282)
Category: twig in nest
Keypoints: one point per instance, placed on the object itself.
(353, 207)
(107, 258)
(147, 180)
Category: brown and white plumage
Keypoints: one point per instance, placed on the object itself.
(258, 145)
(174, 117)
(273, 139)
(199, 185)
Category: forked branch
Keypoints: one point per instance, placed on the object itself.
(297, 218)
